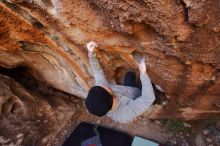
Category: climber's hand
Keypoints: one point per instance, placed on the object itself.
(142, 66)
(91, 46)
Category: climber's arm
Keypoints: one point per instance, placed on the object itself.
(136, 107)
(147, 95)
(95, 65)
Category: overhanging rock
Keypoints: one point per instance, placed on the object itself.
(179, 38)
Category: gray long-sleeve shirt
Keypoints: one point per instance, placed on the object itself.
(131, 101)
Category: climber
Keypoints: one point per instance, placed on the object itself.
(122, 103)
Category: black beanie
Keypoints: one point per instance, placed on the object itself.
(99, 101)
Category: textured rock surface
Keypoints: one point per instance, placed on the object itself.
(47, 116)
(29, 119)
(46, 38)
(181, 40)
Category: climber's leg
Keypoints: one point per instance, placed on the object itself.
(130, 79)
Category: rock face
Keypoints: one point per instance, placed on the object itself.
(180, 39)
(27, 118)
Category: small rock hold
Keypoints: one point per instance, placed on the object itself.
(199, 141)
(205, 132)
(98, 122)
(173, 141)
(213, 78)
(188, 62)
(159, 88)
(164, 102)
(44, 140)
(209, 140)
(19, 135)
(167, 96)
(157, 122)
(217, 28)
(4, 140)
(186, 125)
